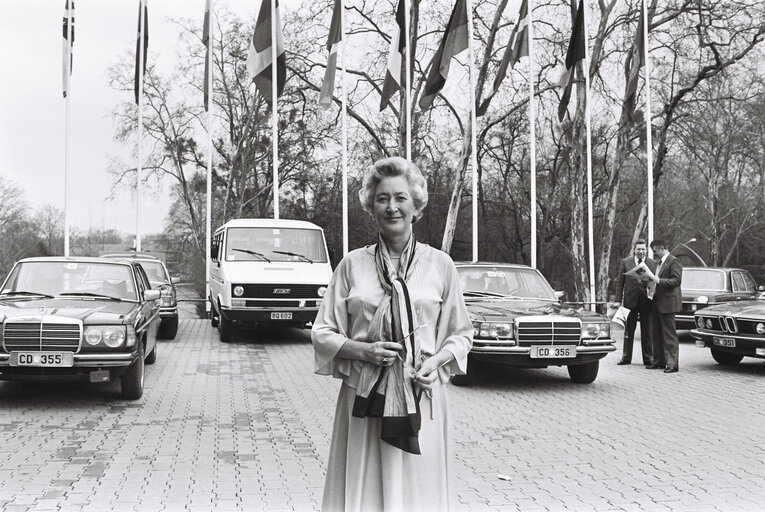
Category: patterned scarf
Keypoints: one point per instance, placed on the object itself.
(388, 392)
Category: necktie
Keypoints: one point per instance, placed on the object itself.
(640, 261)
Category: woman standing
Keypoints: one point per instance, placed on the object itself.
(393, 326)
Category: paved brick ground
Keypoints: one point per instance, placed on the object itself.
(246, 426)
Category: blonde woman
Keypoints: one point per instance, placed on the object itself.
(393, 326)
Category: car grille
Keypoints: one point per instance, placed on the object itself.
(44, 336)
(281, 303)
(548, 331)
(287, 291)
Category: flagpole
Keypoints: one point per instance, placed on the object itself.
(590, 236)
(473, 160)
(274, 115)
(141, 57)
(532, 138)
(648, 140)
(68, 73)
(344, 99)
(407, 92)
(208, 202)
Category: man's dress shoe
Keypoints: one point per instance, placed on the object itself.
(623, 362)
(670, 370)
(655, 366)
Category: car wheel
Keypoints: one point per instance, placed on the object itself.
(168, 328)
(726, 358)
(225, 330)
(132, 380)
(152, 357)
(584, 373)
(214, 319)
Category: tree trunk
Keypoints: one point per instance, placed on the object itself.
(454, 204)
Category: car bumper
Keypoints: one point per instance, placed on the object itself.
(745, 345)
(85, 367)
(521, 356)
(168, 312)
(270, 315)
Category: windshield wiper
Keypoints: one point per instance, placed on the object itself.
(296, 255)
(90, 294)
(35, 294)
(483, 294)
(253, 253)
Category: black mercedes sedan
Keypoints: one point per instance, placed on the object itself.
(519, 321)
(78, 318)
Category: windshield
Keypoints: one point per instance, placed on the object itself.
(155, 271)
(703, 279)
(505, 281)
(271, 244)
(70, 277)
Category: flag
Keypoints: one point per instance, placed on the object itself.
(392, 82)
(455, 41)
(67, 55)
(517, 47)
(333, 44)
(259, 57)
(574, 54)
(140, 67)
(632, 67)
(206, 42)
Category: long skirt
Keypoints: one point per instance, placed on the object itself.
(365, 473)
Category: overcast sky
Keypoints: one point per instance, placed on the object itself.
(32, 109)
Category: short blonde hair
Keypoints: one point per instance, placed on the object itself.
(389, 167)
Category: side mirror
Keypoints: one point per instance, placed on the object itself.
(175, 280)
(150, 295)
(560, 295)
(214, 251)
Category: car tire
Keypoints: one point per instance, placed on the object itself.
(225, 330)
(462, 380)
(132, 380)
(726, 358)
(152, 357)
(214, 319)
(584, 373)
(168, 328)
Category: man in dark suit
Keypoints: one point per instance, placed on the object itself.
(631, 292)
(667, 300)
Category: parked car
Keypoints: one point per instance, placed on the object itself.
(732, 331)
(78, 318)
(706, 286)
(160, 279)
(519, 321)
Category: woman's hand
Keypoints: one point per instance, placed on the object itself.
(382, 353)
(427, 375)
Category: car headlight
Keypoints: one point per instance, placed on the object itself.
(708, 323)
(699, 322)
(239, 290)
(321, 291)
(493, 330)
(596, 330)
(760, 328)
(702, 299)
(110, 335)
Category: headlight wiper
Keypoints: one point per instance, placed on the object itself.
(253, 253)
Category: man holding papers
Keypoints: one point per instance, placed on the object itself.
(632, 291)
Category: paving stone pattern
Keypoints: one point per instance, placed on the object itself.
(246, 426)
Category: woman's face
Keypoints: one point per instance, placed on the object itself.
(394, 206)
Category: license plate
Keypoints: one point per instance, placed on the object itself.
(42, 359)
(724, 342)
(281, 316)
(546, 352)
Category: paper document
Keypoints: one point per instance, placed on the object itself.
(640, 271)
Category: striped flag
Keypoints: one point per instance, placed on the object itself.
(259, 57)
(455, 41)
(333, 44)
(632, 68)
(208, 51)
(392, 82)
(574, 54)
(140, 65)
(68, 44)
(517, 47)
